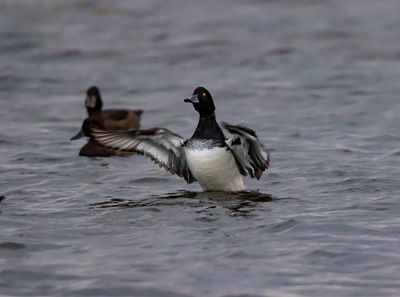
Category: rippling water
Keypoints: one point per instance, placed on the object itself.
(318, 80)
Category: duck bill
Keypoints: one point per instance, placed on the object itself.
(77, 136)
(193, 99)
(90, 102)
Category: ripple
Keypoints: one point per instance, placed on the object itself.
(125, 291)
(12, 246)
(284, 226)
(332, 34)
(324, 254)
(242, 255)
(150, 180)
(13, 275)
(243, 295)
(281, 51)
(18, 46)
(72, 54)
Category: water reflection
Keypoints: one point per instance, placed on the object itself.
(239, 203)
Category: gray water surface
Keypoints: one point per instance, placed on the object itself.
(318, 81)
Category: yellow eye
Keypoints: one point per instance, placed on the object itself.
(204, 94)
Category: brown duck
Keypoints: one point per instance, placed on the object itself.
(110, 120)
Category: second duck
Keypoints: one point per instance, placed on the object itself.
(109, 119)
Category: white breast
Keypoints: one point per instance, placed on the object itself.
(215, 169)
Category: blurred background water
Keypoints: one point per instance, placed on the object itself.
(318, 81)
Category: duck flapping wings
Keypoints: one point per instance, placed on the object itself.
(166, 149)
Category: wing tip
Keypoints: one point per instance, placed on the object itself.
(236, 129)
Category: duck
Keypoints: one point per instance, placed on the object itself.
(216, 162)
(109, 119)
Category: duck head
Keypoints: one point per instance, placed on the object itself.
(202, 101)
(93, 100)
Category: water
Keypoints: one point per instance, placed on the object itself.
(318, 81)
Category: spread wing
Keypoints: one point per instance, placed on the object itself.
(249, 153)
(162, 146)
